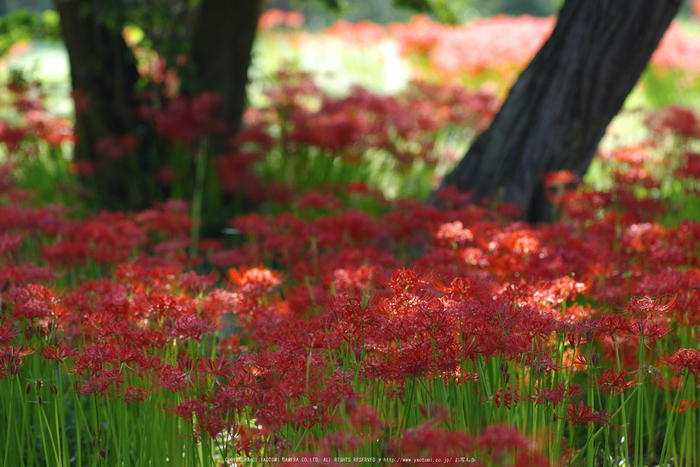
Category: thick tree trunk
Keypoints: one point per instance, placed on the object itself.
(103, 74)
(221, 50)
(557, 111)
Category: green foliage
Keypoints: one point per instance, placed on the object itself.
(165, 23)
(22, 25)
(445, 10)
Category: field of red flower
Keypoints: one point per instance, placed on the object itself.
(340, 326)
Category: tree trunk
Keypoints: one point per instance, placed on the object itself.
(557, 111)
(221, 50)
(103, 74)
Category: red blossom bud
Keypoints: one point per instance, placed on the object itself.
(54, 389)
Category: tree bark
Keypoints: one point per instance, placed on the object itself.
(104, 73)
(221, 50)
(557, 111)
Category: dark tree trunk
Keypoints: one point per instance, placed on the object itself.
(557, 111)
(103, 74)
(221, 50)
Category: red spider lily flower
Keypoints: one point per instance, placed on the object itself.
(557, 394)
(230, 399)
(354, 278)
(7, 333)
(219, 367)
(116, 147)
(609, 325)
(406, 281)
(686, 405)
(293, 19)
(171, 218)
(695, 7)
(25, 272)
(104, 383)
(426, 440)
(506, 397)
(465, 288)
(11, 136)
(90, 360)
(691, 168)
(11, 359)
(122, 354)
(501, 438)
(453, 234)
(580, 332)
(582, 413)
(8, 242)
(81, 101)
(164, 305)
(188, 326)
(366, 416)
(644, 308)
(196, 284)
(191, 407)
(172, 378)
(347, 308)
(133, 394)
(53, 130)
(235, 171)
(340, 441)
(674, 119)
(256, 135)
(686, 359)
(654, 330)
(7, 179)
(560, 179)
(254, 281)
(611, 381)
(271, 18)
(188, 119)
(59, 352)
(35, 301)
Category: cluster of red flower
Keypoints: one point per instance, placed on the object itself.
(346, 326)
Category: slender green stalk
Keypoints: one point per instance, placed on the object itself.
(625, 443)
(639, 419)
(590, 446)
(198, 195)
(672, 417)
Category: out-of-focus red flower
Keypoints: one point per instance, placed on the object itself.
(59, 352)
(188, 119)
(35, 301)
(293, 19)
(116, 147)
(677, 50)
(612, 382)
(271, 18)
(80, 100)
(674, 119)
(686, 359)
(11, 136)
(166, 175)
(581, 413)
(81, 167)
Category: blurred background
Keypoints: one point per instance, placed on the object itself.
(378, 11)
